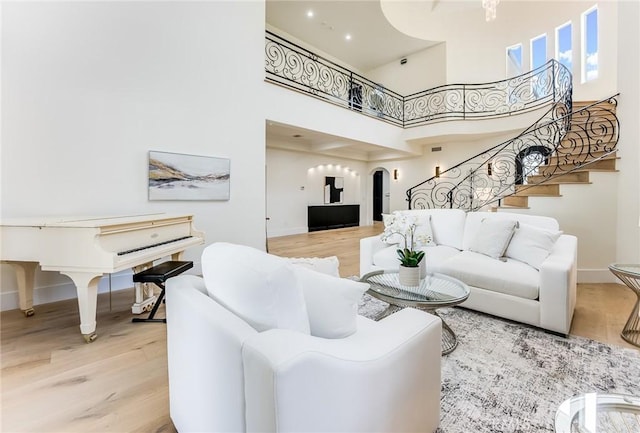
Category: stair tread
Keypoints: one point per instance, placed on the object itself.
(512, 207)
(562, 182)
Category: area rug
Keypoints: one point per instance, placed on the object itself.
(509, 377)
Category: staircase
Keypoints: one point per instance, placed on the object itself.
(584, 149)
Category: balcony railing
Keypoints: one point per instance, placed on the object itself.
(295, 67)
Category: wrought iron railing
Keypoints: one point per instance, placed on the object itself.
(295, 67)
(564, 142)
(544, 85)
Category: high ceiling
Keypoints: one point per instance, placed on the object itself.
(374, 42)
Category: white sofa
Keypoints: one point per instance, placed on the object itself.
(504, 287)
(226, 376)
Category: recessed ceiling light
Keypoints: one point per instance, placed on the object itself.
(348, 37)
(310, 13)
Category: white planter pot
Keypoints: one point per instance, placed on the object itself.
(409, 276)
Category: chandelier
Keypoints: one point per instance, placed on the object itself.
(490, 7)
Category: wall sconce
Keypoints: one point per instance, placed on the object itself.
(437, 171)
(395, 174)
(489, 172)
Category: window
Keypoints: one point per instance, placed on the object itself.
(514, 60)
(590, 44)
(539, 85)
(564, 45)
(538, 51)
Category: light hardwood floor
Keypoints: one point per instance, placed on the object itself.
(51, 381)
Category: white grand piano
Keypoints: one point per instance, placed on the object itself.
(85, 249)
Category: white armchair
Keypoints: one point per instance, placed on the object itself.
(224, 376)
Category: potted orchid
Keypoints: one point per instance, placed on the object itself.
(411, 260)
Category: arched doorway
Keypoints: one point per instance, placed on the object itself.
(528, 161)
(380, 193)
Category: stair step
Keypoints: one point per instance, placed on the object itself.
(608, 164)
(564, 156)
(574, 177)
(516, 201)
(582, 104)
(545, 189)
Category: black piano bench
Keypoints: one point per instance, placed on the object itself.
(158, 275)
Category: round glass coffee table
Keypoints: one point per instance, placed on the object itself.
(630, 275)
(435, 291)
(599, 413)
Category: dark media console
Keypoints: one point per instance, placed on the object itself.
(333, 217)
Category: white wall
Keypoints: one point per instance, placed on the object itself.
(88, 88)
(423, 70)
(295, 180)
(628, 188)
(476, 49)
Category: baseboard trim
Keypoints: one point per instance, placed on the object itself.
(593, 276)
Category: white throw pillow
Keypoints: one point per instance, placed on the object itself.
(397, 225)
(423, 235)
(332, 303)
(531, 244)
(493, 237)
(325, 265)
(260, 288)
(391, 229)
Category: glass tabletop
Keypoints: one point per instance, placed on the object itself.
(599, 413)
(633, 270)
(434, 290)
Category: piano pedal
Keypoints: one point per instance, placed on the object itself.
(144, 306)
(158, 275)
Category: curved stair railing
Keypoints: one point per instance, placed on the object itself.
(292, 66)
(566, 142)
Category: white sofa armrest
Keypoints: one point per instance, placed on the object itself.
(368, 247)
(204, 355)
(558, 279)
(385, 377)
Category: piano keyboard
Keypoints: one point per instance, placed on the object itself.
(134, 250)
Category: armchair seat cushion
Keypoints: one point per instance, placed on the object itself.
(510, 276)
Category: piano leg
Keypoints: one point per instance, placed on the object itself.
(87, 288)
(145, 295)
(25, 272)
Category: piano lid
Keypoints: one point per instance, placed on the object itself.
(86, 221)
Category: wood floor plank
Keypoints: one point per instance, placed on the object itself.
(52, 381)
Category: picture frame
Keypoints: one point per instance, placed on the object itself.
(178, 176)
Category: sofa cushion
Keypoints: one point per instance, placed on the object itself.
(258, 287)
(387, 258)
(326, 265)
(447, 225)
(493, 237)
(474, 219)
(531, 244)
(332, 303)
(510, 277)
(398, 225)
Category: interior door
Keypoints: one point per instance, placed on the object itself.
(377, 195)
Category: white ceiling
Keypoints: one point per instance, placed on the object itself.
(374, 42)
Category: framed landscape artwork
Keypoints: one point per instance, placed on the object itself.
(176, 176)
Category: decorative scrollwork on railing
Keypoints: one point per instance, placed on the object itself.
(290, 65)
(475, 101)
(558, 143)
